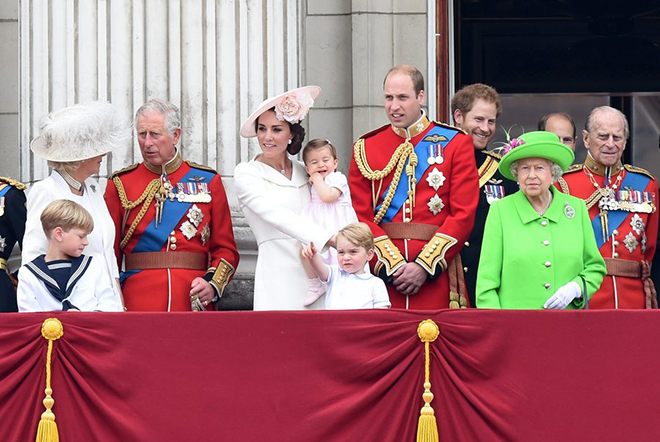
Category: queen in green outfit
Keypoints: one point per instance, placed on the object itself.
(539, 249)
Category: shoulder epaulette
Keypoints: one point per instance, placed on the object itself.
(374, 132)
(449, 126)
(199, 166)
(631, 168)
(574, 168)
(124, 170)
(490, 153)
(13, 182)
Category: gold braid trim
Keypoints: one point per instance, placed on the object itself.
(147, 196)
(401, 154)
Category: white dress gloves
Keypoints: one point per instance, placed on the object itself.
(563, 296)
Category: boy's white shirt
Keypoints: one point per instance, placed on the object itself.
(91, 293)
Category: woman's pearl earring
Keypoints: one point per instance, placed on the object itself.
(290, 140)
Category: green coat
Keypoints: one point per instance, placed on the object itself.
(525, 258)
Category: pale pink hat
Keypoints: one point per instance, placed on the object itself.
(291, 106)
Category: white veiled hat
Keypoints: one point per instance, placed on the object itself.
(80, 132)
(291, 106)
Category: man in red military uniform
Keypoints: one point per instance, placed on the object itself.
(174, 231)
(622, 203)
(415, 183)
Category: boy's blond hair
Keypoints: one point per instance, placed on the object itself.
(358, 234)
(66, 214)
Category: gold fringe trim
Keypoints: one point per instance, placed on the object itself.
(51, 330)
(427, 426)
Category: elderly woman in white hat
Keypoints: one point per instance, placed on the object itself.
(272, 190)
(74, 141)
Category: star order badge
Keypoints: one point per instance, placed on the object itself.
(435, 179)
(630, 242)
(435, 204)
(195, 215)
(188, 230)
(206, 234)
(637, 224)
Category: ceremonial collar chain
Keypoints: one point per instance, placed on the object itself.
(591, 165)
(171, 166)
(71, 181)
(415, 129)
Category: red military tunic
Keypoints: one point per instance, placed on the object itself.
(624, 245)
(437, 211)
(200, 236)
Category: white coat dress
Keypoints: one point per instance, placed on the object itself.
(102, 238)
(272, 205)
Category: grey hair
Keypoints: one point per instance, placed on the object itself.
(64, 166)
(588, 125)
(163, 107)
(555, 170)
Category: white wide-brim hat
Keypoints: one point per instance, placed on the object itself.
(291, 106)
(80, 132)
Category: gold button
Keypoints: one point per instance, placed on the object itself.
(547, 285)
(395, 256)
(427, 255)
(467, 244)
(615, 232)
(407, 209)
(616, 243)
(173, 239)
(173, 246)
(465, 269)
(173, 232)
(544, 223)
(615, 254)
(436, 242)
(548, 263)
(546, 243)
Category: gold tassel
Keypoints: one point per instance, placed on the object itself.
(51, 330)
(427, 427)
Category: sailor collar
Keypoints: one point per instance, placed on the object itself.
(415, 129)
(598, 169)
(170, 167)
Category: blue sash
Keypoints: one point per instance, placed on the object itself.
(444, 135)
(154, 238)
(615, 218)
(4, 191)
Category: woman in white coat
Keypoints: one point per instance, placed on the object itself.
(272, 190)
(74, 140)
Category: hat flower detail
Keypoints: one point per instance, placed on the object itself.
(510, 144)
(293, 107)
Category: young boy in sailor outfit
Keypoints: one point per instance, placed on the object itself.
(64, 278)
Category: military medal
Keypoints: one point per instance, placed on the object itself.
(3, 244)
(439, 158)
(630, 242)
(2, 205)
(188, 230)
(435, 179)
(569, 211)
(435, 204)
(206, 234)
(431, 158)
(195, 215)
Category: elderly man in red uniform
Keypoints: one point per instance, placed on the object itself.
(174, 231)
(622, 203)
(415, 183)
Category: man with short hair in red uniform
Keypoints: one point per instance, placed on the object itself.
(174, 232)
(622, 203)
(415, 183)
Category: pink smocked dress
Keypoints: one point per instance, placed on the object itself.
(331, 216)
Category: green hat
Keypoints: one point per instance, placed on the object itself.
(538, 144)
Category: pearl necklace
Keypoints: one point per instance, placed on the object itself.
(71, 181)
(545, 209)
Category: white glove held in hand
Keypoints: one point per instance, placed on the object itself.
(563, 296)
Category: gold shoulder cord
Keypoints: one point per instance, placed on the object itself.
(147, 196)
(401, 154)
